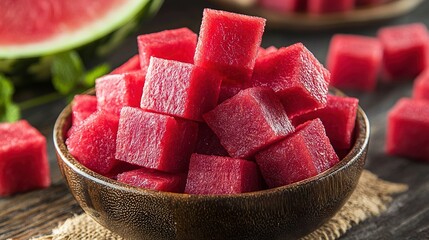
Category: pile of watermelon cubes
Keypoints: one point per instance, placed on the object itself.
(213, 114)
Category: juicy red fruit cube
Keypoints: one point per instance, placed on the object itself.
(176, 44)
(116, 91)
(405, 50)
(82, 107)
(221, 175)
(155, 180)
(408, 129)
(338, 117)
(354, 62)
(421, 86)
(93, 143)
(301, 155)
(180, 89)
(133, 64)
(229, 43)
(296, 76)
(249, 121)
(23, 159)
(208, 143)
(155, 141)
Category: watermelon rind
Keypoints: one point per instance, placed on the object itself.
(32, 62)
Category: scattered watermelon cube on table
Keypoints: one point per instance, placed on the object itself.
(408, 129)
(338, 118)
(405, 50)
(421, 86)
(155, 180)
(23, 159)
(176, 44)
(118, 90)
(133, 64)
(93, 143)
(180, 89)
(221, 175)
(82, 107)
(155, 141)
(296, 76)
(329, 6)
(249, 121)
(354, 62)
(301, 155)
(229, 43)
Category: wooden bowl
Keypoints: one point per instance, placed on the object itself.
(286, 212)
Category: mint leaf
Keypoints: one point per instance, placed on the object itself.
(9, 112)
(67, 71)
(93, 74)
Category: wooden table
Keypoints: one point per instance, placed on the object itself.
(38, 212)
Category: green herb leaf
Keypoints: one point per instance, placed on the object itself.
(67, 71)
(93, 74)
(9, 112)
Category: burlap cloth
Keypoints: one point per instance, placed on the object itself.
(371, 198)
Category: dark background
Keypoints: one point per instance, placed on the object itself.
(406, 218)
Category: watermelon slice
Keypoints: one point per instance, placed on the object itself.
(421, 86)
(221, 175)
(23, 158)
(92, 27)
(408, 129)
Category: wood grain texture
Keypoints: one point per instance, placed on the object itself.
(408, 216)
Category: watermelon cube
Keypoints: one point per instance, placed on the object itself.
(133, 64)
(177, 44)
(338, 117)
(23, 159)
(221, 175)
(408, 129)
(251, 120)
(296, 76)
(421, 86)
(405, 50)
(304, 154)
(284, 6)
(155, 180)
(82, 107)
(228, 90)
(354, 62)
(329, 6)
(93, 143)
(263, 52)
(155, 141)
(229, 43)
(208, 143)
(179, 89)
(116, 91)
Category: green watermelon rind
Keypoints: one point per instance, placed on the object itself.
(36, 68)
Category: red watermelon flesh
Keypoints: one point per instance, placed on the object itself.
(23, 159)
(354, 62)
(421, 86)
(405, 50)
(408, 129)
(284, 5)
(263, 52)
(249, 121)
(47, 18)
(155, 141)
(293, 74)
(177, 44)
(93, 143)
(329, 6)
(155, 180)
(338, 117)
(221, 175)
(179, 89)
(229, 43)
(208, 143)
(82, 107)
(301, 155)
(228, 90)
(133, 64)
(116, 91)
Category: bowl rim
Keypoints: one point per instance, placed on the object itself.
(362, 133)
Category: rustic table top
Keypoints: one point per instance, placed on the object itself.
(38, 212)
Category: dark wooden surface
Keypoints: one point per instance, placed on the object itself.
(37, 212)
